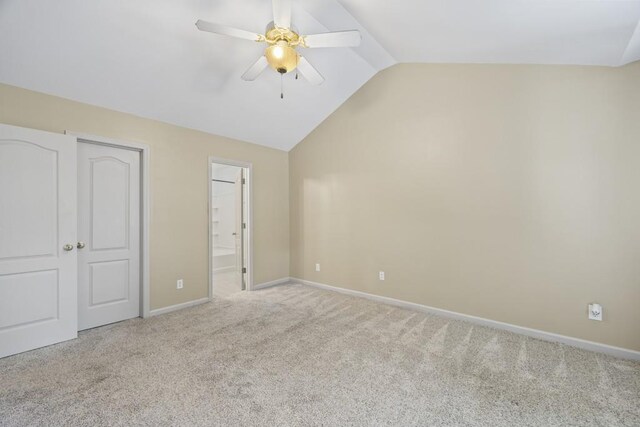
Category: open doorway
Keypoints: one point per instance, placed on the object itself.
(229, 227)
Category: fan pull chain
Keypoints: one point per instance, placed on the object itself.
(296, 75)
(281, 86)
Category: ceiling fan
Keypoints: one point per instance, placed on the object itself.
(282, 41)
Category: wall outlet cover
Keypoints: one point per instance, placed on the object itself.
(317, 267)
(381, 275)
(595, 311)
(179, 284)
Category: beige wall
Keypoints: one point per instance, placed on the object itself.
(506, 192)
(178, 181)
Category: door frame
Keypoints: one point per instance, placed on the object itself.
(145, 208)
(249, 230)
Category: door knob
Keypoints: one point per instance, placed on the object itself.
(68, 247)
(80, 245)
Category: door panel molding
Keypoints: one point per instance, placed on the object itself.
(97, 295)
(46, 222)
(109, 210)
(43, 295)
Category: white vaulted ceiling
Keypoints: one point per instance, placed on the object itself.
(584, 32)
(146, 57)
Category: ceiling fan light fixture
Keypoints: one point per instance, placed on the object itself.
(282, 57)
(282, 40)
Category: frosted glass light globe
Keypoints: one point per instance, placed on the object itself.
(282, 57)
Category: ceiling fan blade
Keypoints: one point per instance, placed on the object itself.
(349, 38)
(308, 72)
(282, 13)
(256, 69)
(228, 31)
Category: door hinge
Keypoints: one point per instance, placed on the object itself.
(244, 225)
(244, 181)
(244, 269)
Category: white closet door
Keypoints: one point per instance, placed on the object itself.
(109, 230)
(38, 287)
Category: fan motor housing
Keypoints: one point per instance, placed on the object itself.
(274, 34)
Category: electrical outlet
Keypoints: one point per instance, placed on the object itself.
(317, 267)
(381, 275)
(179, 284)
(595, 311)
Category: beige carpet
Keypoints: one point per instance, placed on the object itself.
(226, 284)
(293, 355)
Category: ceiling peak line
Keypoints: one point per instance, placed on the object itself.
(632, 50)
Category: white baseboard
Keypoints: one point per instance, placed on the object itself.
(276, 282)
(176, 307)
(534, 333)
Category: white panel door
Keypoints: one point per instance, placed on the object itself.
(109, 235)
(38, 287)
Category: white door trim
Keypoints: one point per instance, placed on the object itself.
(145, 217)
(249, 177)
